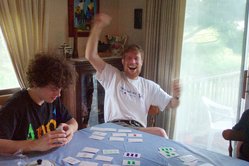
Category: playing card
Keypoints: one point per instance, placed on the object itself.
(168, 154)
(134, 135)
(119, 134)
(131, 162)
(110, 151)
(124, 131)
(85, 155)
(188, 158)
(91, 150)
(99, 133)
(135, 140)
(88, 163)
(71, 160)
(132, 154)
(96, 137)
(116, 139)
(103, 158)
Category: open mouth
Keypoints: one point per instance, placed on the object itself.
(132, 68)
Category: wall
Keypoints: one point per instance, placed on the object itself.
(122, 12)
(126, 21)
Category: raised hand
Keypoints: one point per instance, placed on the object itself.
(176, 89)
(102, 20)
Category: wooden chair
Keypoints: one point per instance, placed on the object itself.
(152, 114)
(4, 98)
(232, 135)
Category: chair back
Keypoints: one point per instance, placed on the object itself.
(232, 135)
(152, 114)
(4, 98)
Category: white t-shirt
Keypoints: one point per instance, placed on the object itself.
(129, 99)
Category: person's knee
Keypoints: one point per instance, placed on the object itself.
(161, 132)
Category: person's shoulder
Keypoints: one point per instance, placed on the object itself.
(17, 100)
(246, 112)
(19, 96)
(111, 67)
(147, 81)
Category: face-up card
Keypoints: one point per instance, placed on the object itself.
(97, 129)
(166, 149)
(192, 163)
(132, 154)
(85, 155)
(104, 158)
(71, 160)
(96, 137)
(134, 135)
(131, 162)
(168, 154)
(135, 140)
(110, 151)
(116, 139)
(91, 150)
(119, 134)
(110, 129)
(99, 133)
(188, 158)
(124, 131)
(88, 163)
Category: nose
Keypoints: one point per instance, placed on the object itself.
(133, 60)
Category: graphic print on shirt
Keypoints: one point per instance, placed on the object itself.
(43, 128)
(131, 93)
(31, 133)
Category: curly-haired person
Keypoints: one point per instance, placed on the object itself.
(29, 119)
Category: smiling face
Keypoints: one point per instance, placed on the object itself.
(132, 63)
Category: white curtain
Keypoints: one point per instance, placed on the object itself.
(25, 27)
(164, 32)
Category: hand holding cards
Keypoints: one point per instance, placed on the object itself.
(59, 135)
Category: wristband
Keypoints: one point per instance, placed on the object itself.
(176, 97)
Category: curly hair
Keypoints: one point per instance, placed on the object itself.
(47, 69)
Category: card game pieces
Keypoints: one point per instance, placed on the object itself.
(131, 162)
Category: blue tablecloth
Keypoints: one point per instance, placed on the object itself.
(148, 149)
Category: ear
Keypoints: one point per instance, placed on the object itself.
(122, 61)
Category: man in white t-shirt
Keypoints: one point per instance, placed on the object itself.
(127, 95)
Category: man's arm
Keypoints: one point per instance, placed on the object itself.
(91, 54)
(176, 95)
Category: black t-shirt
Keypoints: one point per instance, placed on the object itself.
(22, 119)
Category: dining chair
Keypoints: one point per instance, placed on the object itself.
(3, 99)
(220, 117)
(236, 136)
(152, 115)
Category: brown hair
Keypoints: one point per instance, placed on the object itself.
(52, 69)
(133, 47)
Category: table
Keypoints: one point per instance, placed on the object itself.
(148, 150)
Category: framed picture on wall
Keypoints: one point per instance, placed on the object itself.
(80, 15)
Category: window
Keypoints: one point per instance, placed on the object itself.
(8, 79)
(210, 71)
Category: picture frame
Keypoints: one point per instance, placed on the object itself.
(80, 16)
